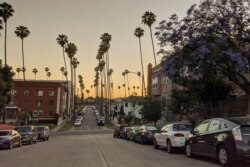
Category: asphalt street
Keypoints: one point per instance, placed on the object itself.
(93, 146)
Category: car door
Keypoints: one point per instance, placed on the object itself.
(211, 138)
(139, 134)
(158, 136)
(165, 135)
(198, 139)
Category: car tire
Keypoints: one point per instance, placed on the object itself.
(48, 138)
(188, 150)
(10, 145)
(169, 147)
(20, 143)
(224, 157)
(31, 141)
(156, 146)
(134, 139)
(142, 140)
(114, 136)
(35, 141)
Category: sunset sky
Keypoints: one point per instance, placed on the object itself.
(83, 21)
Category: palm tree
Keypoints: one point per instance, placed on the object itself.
(87, 91)
(18, 70)
(75, 64)
(139, 32)
(35, 71)
(124, 85)
(62, 69)
(71, 50)
(126, 72)
(6, 12)
(148, 18)
(48, 75)
(62, 40)
(23, 32)
(46, 70)
(119, 87)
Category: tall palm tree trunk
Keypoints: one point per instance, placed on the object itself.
(5, 43)
(125, 86)
(74, 95)
(25, 86)
(72, 89)
(152, 43)
(143, 81)
(128, 86)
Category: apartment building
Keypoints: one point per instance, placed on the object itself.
(43, 99)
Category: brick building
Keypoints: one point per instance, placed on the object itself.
(43, 99)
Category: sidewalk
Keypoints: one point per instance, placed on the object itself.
(58, 126)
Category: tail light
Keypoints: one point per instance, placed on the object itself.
(179, 135)
(237, 133)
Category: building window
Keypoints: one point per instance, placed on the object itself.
(126, 104)
(51, 93)
(26, 92)
(51, 102)
(40, 113)
(40, 93)
(35, 113)
(13, 92)
(50, 113)
(39, 103)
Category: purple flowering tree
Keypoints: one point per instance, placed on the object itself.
(211, 41)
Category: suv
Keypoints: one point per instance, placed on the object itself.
(28, 133)
(100, 121)
(43, 132)
(118, 130)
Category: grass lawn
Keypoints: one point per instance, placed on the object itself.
(67, 126)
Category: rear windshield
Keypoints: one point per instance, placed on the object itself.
(23, 129)
(181, 127)
(151, 128)
(5, 133)
(40, 128)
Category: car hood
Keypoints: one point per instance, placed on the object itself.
(25, 133)
(5, 137)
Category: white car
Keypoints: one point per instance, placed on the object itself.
(172, 135)
(79, 118)
(78, 123)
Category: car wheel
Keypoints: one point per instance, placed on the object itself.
(35, 141)
(20, 143)
(142, 140)
(47, 138)
(134, 139)
(188, 150)
(31, 141)
(224, 157)
(169, 147)
(10, 145)
(156, 146)
(114, 136)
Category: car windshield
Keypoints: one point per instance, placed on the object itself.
(5, 133)
(151, 128)
(40, 128)
(182, 127)
(23, 129)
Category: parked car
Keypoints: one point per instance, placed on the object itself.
(43, 132)
(145, 134)
(78, 123)
(123, 133)
(28, 133)
(131, 133)
(100, 121)
(225, 139)
(172, 135)
(118, 130)
(10, 139)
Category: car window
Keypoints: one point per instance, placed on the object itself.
(163, 128)
(181, 127)
(202, 128)
(151, 128)
(223, 125)
(214, 125)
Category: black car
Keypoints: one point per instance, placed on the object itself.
(145, 134)
(28, 133)
(225, 139)
(10, 139)
(124, 132)
(118, 130)
(43, 132)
